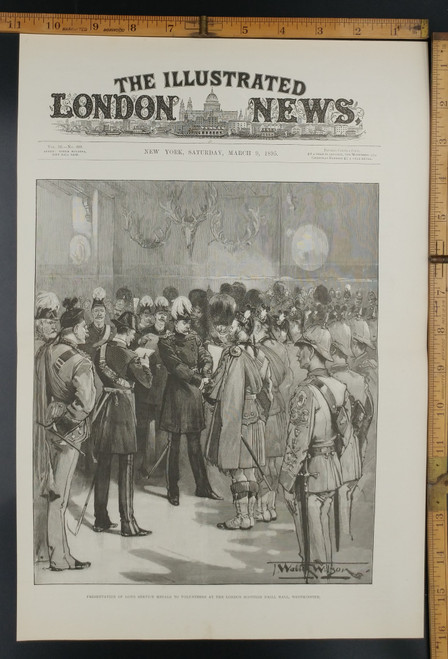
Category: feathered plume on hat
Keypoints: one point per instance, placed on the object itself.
(72, 314)
(161, 304)
(181, 308)
(145, 304)
(99, 295)
(246, 319)
(47, 305)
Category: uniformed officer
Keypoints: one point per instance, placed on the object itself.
(363, 350)
(148, 401)
(70, 389)
(275, 430)
(123, 301)
(46, 330)
(46, 319)
(99, 330)
(311, 471)
(189, 366)
(114, 429)
(241, 391)
(361, 413)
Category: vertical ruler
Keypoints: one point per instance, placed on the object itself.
(437, 519)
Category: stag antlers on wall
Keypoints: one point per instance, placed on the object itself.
(252, 227)
(189, 218)
(133, 226)
(188, 208)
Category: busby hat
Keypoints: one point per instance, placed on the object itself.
(198, 298)
(171, 293)
(226, 288)
(181, 308)
(99, 295)
(254, 298)
(238, 292)
(318, 338)
(321, 295)
(124, 293)
(72, 314)
(47, 306)
(222, 309)
(145, 304)
(127, 321)
(341, 337)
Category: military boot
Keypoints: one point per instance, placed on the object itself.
(263, 514)
(241, 521)
(253, 491)
(271, 497)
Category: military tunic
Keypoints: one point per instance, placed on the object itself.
(70, 381)
(115, 426)
(115, 430)
(275, 432)
(311, 440)
(97, 336)
(311, 470)
(356, 386)
(187, 362)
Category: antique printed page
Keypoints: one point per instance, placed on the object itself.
(222, 327)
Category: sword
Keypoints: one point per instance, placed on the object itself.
(162, 455)
(252, 455)
(303, 494)
(53, 430)
(92, 484)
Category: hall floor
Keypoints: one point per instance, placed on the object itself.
(186, 547)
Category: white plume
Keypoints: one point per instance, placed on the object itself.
(47, 300)
(161, 301)
(181, 307)
(146, 301)
(99, 293)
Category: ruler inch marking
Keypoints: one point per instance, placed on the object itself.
(437, 476)
(214, 26)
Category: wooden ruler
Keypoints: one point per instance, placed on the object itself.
(197, 26)
(438, 361)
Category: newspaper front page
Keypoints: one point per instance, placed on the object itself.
(222, 326)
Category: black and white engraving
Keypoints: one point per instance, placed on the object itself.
(206, 379)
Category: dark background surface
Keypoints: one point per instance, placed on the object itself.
(437, 13)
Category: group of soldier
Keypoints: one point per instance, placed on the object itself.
(216, 367)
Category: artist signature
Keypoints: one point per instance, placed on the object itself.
(297, 570)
